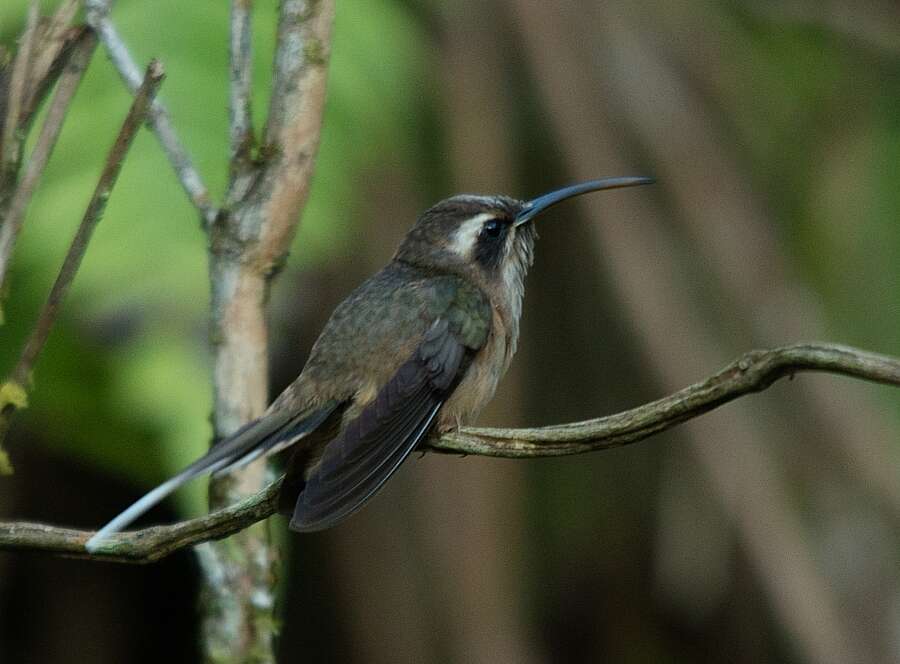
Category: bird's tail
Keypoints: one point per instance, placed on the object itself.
(269, 434)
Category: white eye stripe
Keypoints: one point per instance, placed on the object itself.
(463, 241)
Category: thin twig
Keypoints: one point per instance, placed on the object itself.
(12, 138)
(241, 118)
(753, 372)
(80, 56)
(97, 17)
(136, 117)
(54, 37)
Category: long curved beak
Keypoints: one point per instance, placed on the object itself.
(537, 205)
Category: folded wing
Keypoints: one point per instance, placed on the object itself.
(371, 447)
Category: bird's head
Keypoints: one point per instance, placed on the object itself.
(488, 238)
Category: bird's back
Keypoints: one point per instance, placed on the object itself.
(373, 331)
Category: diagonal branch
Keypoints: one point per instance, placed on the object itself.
(753, 372)
(54, 38)
(134, 120)
(12, 138)
(92, 215)
(79, 58)
(97, 16)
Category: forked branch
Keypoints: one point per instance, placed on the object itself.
(753, 372)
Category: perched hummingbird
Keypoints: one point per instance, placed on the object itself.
(421, 344)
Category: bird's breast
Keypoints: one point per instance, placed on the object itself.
(484, 373)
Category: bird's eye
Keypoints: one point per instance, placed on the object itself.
(492, 228)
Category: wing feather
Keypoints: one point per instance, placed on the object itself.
(370, 448)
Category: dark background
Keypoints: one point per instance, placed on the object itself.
(766, 531)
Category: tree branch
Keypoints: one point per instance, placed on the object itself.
(240, 115)
(12, 137)
(97, 16)
(248, 242)
(12, 392)
(55, 36)
(92, 215)
(79, 59)
(292, 134)
(753, 372)
(148, 544)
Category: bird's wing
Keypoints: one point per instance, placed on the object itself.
(372, 446)
(247, 443)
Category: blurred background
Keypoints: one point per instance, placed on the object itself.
(767, 531)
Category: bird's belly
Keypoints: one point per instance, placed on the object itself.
(478, 385)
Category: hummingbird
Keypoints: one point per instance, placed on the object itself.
(419, 346)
